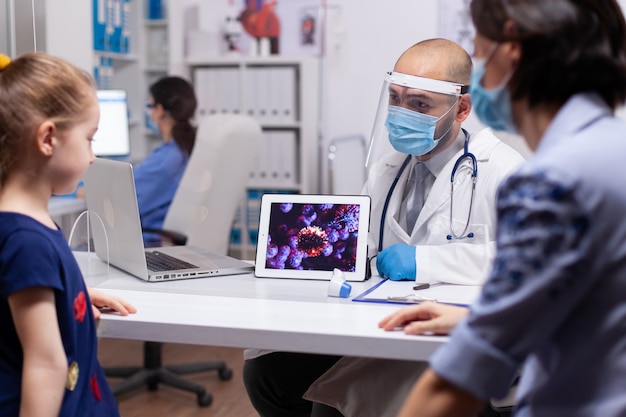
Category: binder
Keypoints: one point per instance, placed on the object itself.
(117, 24)
(274, 99)
(232, 89)
(126, 25)
(288, 94)
(253, 212)
(263, 89)
(109, 28)
(99, 24)
(250, 92)
(235, 231)
(266, 158)
(205, 91)
(285, 143)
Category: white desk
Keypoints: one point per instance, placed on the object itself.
(244, 311)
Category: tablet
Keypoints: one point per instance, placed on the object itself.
(304, 236)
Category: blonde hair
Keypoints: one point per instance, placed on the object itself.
(34, 88)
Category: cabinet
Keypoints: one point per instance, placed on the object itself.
(155, 65)
(282, 94)
(132, 60)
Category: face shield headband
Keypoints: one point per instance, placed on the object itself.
(403, 127)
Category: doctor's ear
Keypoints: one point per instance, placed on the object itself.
(464, 108)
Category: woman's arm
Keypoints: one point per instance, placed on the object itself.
(433, 396)
(428, 317)
(44, 372)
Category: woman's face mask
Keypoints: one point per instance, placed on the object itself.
(150, 125)
(492, 107)
(412, 132)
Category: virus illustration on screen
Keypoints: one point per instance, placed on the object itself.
(312, 240)
(317, 237)
(347, 216)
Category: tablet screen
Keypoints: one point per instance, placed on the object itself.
(307, 236)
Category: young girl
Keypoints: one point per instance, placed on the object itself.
(48, 348)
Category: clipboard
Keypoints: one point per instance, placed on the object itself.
(401, 292)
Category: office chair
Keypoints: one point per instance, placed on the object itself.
(346, 164)
(201, 214)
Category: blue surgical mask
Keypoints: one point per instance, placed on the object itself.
(412, 132)
(150, 125)
(492, 107)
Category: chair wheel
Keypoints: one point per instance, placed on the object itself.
(225, 374)
(205, 400)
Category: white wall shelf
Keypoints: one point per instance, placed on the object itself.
(118, 56)
(272, 90)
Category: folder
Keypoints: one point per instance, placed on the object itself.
(275, 157)
(205, 91)
(116, 36)
(250, 92)
(265, 158)
(262, 88)
(232, 86)
(99, 20)
(288, 95)
(126, 25)
(275, 89)
(285, 143)
(402, 292)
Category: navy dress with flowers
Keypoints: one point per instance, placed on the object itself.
(33, 255)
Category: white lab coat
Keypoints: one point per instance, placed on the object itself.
(369, 387)
(466, 261)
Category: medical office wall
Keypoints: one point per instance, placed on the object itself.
(361, 40)
(62, 28)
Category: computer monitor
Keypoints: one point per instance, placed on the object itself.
(113, 137)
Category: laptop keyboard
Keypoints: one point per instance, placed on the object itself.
(158, 261)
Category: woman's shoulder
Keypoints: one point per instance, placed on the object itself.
(162, 158)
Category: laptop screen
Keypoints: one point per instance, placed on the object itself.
(113, 137)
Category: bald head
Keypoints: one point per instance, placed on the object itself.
(438, 59)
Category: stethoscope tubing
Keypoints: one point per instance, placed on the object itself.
(466, 154)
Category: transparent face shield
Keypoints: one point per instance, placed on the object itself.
(413, 114)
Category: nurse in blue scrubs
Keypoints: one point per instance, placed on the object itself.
(170, 108)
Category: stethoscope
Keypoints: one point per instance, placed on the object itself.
(467, 155)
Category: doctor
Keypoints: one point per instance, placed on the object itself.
(424, 101)
(429, 233)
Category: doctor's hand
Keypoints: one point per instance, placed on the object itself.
(427, 317)
(397, 262)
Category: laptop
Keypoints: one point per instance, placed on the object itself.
(306, 236)
(116, 230)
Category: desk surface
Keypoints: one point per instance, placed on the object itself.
(244, 311)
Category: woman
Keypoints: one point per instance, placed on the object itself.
(554, 71)
(171, 105)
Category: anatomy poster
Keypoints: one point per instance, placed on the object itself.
(288, 27)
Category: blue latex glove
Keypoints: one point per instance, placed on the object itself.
(397, 262)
